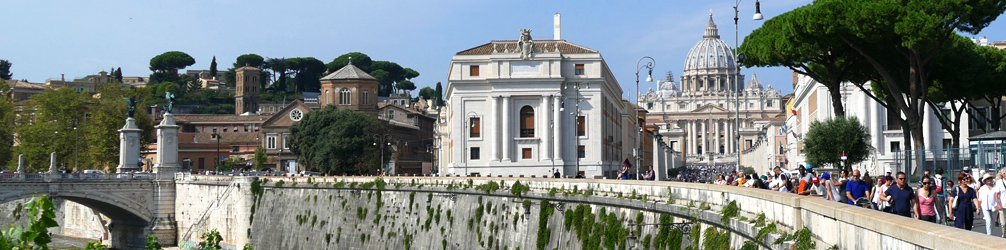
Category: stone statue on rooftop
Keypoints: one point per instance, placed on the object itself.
(525, 44)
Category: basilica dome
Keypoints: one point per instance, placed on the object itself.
(711, 52)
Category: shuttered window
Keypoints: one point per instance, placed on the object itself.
(526, 121)
(579, 69)
(581, 126)
(473, 70)
(526, 153)
(476, 127)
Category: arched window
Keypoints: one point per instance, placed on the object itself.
(344, 97)
(327, 96)
(526, 121)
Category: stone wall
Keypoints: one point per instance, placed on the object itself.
(205, 203)
(354, 213)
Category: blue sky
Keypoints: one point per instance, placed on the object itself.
(44, 39)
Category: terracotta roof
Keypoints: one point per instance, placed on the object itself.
(349, 72)
(228, 138)
(191, 118)
(25, 85)
(382, 105)
(247, 67)
(510, 46)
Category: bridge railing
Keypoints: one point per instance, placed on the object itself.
(75, 177)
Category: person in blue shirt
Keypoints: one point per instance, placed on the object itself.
(856, 188)
(901, 197)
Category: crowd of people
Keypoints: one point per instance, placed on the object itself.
(934, 198)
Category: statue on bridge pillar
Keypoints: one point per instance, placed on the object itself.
(20, 167)
(164, 225)
(129, 140)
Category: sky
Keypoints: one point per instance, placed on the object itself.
(45, 39)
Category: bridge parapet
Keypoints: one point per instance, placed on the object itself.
(75, 177)
(830, 223)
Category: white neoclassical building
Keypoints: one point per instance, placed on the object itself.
(697, 117)
(525, 107)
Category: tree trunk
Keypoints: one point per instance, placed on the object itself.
(836, 101)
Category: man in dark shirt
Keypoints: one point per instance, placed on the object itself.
(901, 197)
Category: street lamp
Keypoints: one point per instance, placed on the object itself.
(216, 136)
(739, 59)
(468, 126)
(75, 139)
(384, 141)
(649, 78)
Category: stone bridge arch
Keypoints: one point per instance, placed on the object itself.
(129, 204)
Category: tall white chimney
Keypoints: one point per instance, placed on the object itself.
(557, 26)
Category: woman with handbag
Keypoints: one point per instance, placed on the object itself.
(964, 202)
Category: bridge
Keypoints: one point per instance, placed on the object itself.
(137, 204)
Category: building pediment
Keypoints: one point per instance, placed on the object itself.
(707, 108)
(284, 118)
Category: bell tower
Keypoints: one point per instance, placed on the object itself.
(246, 89)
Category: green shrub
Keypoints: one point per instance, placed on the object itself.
(210, 240)
(280, 183)
(152, 243)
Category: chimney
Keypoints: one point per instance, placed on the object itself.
(62, 77)
(556, 20)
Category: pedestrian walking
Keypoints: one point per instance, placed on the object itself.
(941, 196)
(901, 197)
(1001, 188)
(964, 203)
(927, 200)
(988, 202)
(856, 188)
(829, 190)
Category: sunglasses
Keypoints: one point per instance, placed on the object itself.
(925, 183)
(901, 178)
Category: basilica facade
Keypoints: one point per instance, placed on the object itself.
(697, 116)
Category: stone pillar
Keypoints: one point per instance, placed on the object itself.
(20, 167)
(557, 134)
(129, 147)
(546, 137)
(167, 148)
(495, 125)
(705, 137)
(507, 127)
(53, 169)
(163, 224)
(692, 143)
(717, 125)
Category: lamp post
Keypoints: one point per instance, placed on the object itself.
(216, 136)
(576, 122)
(75, 139)
(384, 141)
(468, 126)
(739, 59)
(639, 137)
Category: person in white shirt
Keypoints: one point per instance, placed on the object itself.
(988, 202)
(1000, 186)
(882, 205)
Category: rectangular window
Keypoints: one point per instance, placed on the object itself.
(476, 127)
(581, 152)
(270, 141)
(475, 153)
(286, 141)
(391, 114)
(579, 70)
(202, 162)
(365, 98)
(895, 146)
(525, 153)
(473, 70)
(581, 126)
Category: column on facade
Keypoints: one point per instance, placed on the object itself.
(730, 135)
(556, 130)
(507, 127)
(495, 135)
(719, 126)
(705, 136)
(693, 142)
(546, 138)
